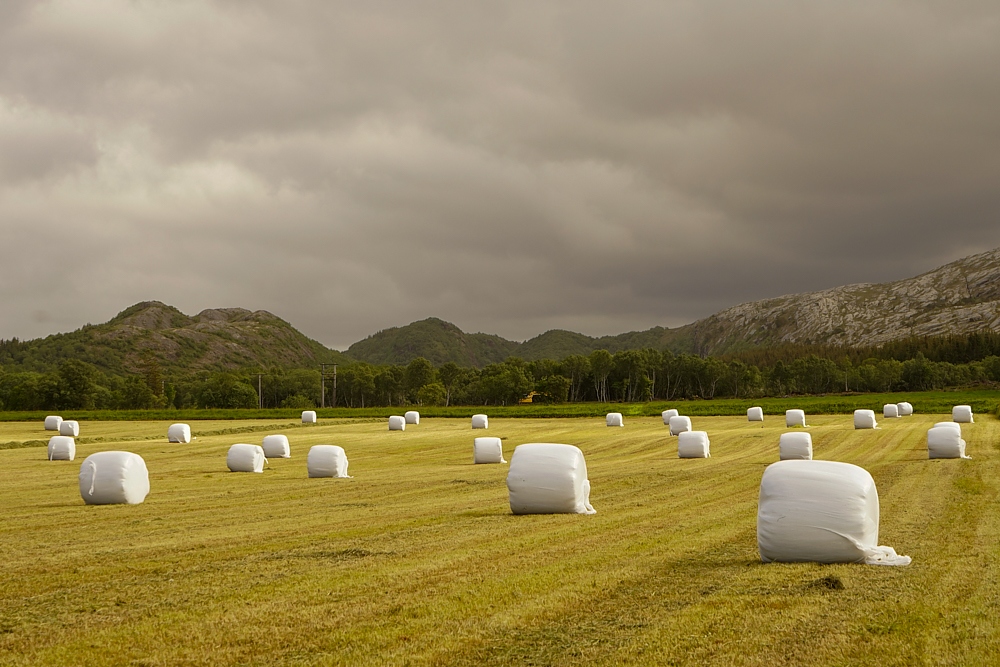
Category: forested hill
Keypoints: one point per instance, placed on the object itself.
(435, 340)
(214, 339)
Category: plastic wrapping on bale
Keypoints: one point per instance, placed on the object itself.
(667, 414)
(113, 478)
(276, 447)
(890, 411)
(614, 419)
(412, 417)
(795, 446)
(692, 445)
(755, 414)
(679, 425)
(951, 425)
(480, 421)
(487, 450)
(246, 458)
(327, 461)
(546, 478)
(945, 443)
(820, 512)
(397, 423)
(795, 418)
(962, 414)
(179, 433)
(52, 422)
(62, 448)
(865, 419)
(308, 416)
(69, 427)
(905, 409)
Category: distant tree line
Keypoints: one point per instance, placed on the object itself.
(625, 376)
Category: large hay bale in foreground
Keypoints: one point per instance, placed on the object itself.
(412, 417)
(755, 414)
(62, 448)
(614, 419)
(795, 446)
(864, 419)
(276, 446)
(693, 445)
(487, 450)
(667, 414)
(905, 409)
(945, 443)
(548, 478)
(52, 422)
(327, 461)
(821, 512)
(795, 418)
(246, 458)
(308, 416)
(397, 423)
(69, 427)
(179, 433)
(679, 424)
(112, 478)
(890, 410)
(962, 414)
(480, 421)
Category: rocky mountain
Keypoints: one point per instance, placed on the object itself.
(214, 339)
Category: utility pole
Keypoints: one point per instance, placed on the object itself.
(260, 396)
(322, 383)
(335, 385)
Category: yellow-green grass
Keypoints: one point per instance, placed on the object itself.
(417, 559)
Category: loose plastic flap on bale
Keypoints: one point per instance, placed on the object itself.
(246, 458)
(614, 419)
(327, 461)
(795, 446)
(62, 448)
(679, 424)
(692, 445)
(795, 418)
(69, 427)
(890, 411)
(864, 419)
(179, 433)
(755, 415)
(667, 414)
(487, 450)
(397, 423)
(52, 422)
(961, 414)
(480, 421)
(822, 512)
(945, 443)
(308, 416)
(547, 478)
(905, 409)
(112, 478)
(276, 447)
(412, 417)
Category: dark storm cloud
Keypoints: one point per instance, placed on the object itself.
(511, 167)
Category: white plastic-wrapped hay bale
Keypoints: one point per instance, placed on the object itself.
(962, 414)
(614, 419)
(179, 433)
(412, 417)
(246, 458)
(487, 450)
(547, 478)
(795, 418)
(755, 414)
(797, 445)
(308, 416)
(952, 425)
(397, 423)
(52, 422)
(945, 443)
(905, 409)
(62, 448)
(667, 414)
(679, 424)
(864, 419)
(276, 447)
(69, 427)
(480, 421)
(112, 478)
(890, 411)
(327, 461)
(821, 512)
(692, 445)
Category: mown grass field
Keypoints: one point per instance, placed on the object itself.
(417, 560)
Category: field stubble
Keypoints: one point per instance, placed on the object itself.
(418, 561)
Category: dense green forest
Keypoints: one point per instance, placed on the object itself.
(918, 364)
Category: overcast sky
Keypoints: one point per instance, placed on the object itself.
(509, 167)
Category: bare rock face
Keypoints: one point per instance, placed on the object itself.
(957, 298)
